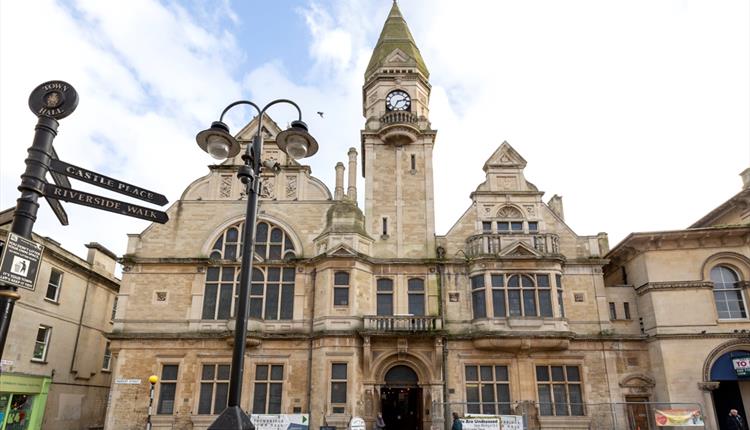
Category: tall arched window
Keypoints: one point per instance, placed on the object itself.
(272, 282)
(730, 302)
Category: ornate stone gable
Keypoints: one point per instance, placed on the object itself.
(503, 157)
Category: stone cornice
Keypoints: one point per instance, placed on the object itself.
(672, 286)
(637, 243)
(690, 336)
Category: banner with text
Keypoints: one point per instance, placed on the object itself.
(492, 422)
(281, 421)
(678, 417)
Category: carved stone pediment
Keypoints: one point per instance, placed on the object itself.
(342, 250)
(638, 380)
(505, 156)
(520, 249)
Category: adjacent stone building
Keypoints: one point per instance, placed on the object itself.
(57, 365)
(360, 310)
(690, 289)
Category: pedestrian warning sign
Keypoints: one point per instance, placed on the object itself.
(19, 265)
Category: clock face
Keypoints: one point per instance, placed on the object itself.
(398, 100)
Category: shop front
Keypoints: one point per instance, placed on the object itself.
(732, 371)
(22, 401)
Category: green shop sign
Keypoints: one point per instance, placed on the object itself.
(22, 401)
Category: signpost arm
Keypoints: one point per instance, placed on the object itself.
(32, 186)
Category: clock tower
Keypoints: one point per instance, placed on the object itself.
(397, 144)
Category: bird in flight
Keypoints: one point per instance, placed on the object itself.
(321, 114)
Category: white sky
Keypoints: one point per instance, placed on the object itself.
(636, 112)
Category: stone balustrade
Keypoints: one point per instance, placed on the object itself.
(402, 323)
(496, 243)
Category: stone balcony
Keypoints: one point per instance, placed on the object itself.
(402, 324)
(398, 117)
(496, 244)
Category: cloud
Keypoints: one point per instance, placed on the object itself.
(148, 75)
(615, 105)
(637, 112)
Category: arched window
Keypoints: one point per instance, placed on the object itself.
(271, 243)
(730, 302)
(272, 283)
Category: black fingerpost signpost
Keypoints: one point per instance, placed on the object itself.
(21, 256)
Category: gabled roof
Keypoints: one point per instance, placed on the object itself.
(505, 156)
(395, 35)
(739, 203)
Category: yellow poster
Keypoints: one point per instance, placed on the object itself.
(678, 417)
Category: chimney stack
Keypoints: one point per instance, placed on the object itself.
(555, 204)
(351, 192)
(745, 178)
(338, 194)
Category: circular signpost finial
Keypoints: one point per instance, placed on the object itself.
(54, 99)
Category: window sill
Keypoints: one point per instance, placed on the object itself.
(732, 320)
(38, 361)
(106, 370)
(54, 302)
(532, 318)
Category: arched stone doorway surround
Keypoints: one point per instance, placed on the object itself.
(707, 385)
(429, 384)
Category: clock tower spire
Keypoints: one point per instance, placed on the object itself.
(397, 144)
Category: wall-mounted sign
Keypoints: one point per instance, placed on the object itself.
(280, 421)
(123, 381)
(19, 265)
(357, 423)
(741, 365)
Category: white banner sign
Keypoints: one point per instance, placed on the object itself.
(127, 381)
(493, 422)
(280, 421)
(511, 422)
(483, 423)
(357, 423)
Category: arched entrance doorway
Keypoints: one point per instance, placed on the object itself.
(401, 399)
(734, 384)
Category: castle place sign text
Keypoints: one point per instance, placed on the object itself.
(104, 203)
(103, 181)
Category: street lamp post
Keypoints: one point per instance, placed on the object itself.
(153, 379)
(217, 142)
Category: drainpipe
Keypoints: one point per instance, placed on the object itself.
(442, 306)
(309, 352)
(80, 323)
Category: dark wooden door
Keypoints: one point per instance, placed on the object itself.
(638, 416)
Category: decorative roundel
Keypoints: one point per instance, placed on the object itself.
(54, 99)
(397, 101)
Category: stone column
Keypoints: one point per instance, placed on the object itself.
(338, 193)
(351, 192)
(708, 404)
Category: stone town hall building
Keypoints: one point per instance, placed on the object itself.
(359, 310)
